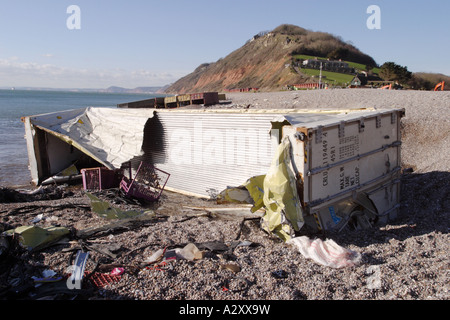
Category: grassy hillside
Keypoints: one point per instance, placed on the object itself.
(332, 78)
(264, 62)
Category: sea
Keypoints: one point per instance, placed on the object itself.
(14, 104)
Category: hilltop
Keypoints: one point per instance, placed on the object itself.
(267, 61)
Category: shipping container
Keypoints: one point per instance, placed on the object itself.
(347, 162)
(170, 102)
(349, 166)
(184, 100)
(205, 98)
(157, 102)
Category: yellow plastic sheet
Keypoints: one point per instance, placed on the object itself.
(277, 192)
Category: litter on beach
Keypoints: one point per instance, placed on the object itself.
(327, 253)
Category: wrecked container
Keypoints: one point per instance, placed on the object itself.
(346, 163)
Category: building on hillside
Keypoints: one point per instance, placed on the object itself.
(364, 80)
(328, 65)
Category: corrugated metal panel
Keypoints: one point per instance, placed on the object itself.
(205, 153)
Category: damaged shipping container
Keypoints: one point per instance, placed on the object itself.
(346, 162)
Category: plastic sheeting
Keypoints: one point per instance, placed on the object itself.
(327, 253)
(278, 195)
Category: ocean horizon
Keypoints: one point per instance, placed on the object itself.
(15, 104)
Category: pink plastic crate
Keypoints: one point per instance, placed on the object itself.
(148, 183)
(100, 178)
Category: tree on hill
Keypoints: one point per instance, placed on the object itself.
(391, 71)
(338, 53)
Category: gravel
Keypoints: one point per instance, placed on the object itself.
(406, 259)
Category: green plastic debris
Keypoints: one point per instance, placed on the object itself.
(105, 210)
(277, 193)
(35, 238)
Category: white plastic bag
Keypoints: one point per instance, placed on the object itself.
(327, 253)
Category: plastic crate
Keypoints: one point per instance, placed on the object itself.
(100, 178)
(148, 183)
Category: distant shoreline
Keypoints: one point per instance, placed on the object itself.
(138, 90)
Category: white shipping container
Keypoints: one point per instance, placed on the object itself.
(349, 166)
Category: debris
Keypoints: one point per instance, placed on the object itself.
(47, 276)
(105, 210)
(277, 192)
(189, 252)
(155, 257)
(327, 253)
(77, 270)
(147, 184)
(123, 224)
(101, 178)
(35, 238)
(214, 246)
(38, 218)
(100, 280)
(117, 271)
(32, 192)
(68, 174)
(241, 212)
(255, 187)
(234, 195)
(231, 266)
(279, 274)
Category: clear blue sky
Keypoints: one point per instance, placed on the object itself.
(153, 43)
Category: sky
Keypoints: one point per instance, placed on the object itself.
(44, 43)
